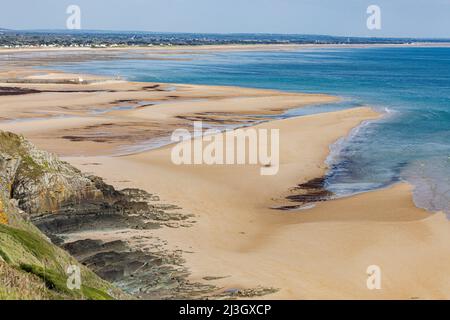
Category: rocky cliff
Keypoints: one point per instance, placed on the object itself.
(39, 190)
(39, 181)
(33, 182)
(51, 216)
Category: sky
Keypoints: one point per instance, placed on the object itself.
(399, 18)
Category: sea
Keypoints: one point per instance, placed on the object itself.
(410, 85)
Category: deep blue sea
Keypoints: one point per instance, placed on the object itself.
(411, 85)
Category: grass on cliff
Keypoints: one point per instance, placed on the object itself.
(58, 282)
(29, 252)
(31, 267)
(18, 285)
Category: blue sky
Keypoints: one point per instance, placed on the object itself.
(415, 18)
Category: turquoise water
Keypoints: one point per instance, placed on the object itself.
(412, 85)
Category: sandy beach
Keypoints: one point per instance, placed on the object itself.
(238, 241)
(107, 115)
(320, 253)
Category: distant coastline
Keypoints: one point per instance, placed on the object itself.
(221, 47)
(118, 39)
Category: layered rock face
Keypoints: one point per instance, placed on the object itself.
(60, 200)
(69, 209)
(39, 181)
(31, 266)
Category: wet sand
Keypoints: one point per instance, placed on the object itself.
(106, 116)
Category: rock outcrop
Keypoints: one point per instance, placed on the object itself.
(68, 207)
(31, 266)
(39, 181)
(38, 189)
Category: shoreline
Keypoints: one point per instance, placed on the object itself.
(237, 239)
(131, 113)
(227, 47)
(236, 232)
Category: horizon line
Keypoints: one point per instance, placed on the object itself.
(220, 33)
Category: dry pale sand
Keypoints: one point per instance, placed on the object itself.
(318, 253)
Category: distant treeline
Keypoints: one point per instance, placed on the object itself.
(10, 38)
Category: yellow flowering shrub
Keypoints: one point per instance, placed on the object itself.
(3, 217)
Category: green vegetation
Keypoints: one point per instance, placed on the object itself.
(57, 282)
(4, 257)
(16, 284)
(34, 170)
(31, 267)
(35, 245)
(32, 253)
